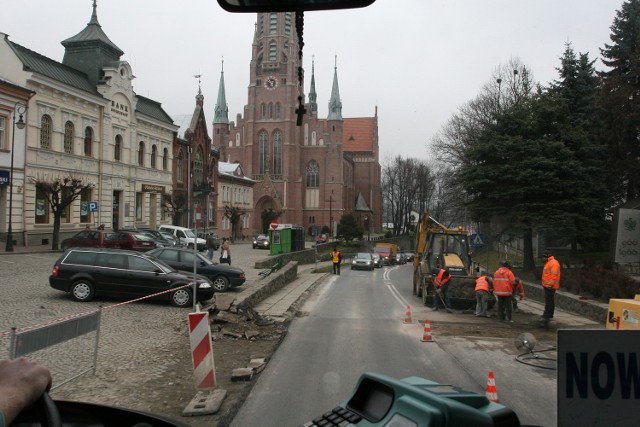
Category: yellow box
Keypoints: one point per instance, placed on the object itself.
(624, 314)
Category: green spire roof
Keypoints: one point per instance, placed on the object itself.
(93, 33)
(335, 104)
(313, 105)
(221, 110)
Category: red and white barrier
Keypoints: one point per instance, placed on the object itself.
(201, 351)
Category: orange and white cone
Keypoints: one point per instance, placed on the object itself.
(407, 316)
(492, 391)
(426, 336)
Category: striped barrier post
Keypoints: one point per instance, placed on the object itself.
(201, 351)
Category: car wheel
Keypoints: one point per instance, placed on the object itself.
(220, 284)
(181, 298)
(190, 245)
(82, 290)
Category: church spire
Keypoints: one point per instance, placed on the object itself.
(335, 104)
(313, 105)
(221, 110)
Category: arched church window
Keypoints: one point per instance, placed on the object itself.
(273, 23)
(313, 175)
(198, 166)
(277, 152)
(262, 155)
(273, 51)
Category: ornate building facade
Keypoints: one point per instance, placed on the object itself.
(308, 172)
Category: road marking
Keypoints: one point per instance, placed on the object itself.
(396, 295)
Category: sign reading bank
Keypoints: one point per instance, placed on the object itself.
(598, 377)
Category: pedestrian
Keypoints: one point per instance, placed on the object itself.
(225, 252)
(441, 280)
(336, 258)
(550, 283)
(211, 246)
(518, 288)
(503, 281)
(484, 285)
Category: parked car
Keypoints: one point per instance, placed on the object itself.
(362, 261)
(222, 276)
(169, 236)
(261, 241)
(323, 238)
(161, 240)
(110, 239)
(205, 236)
(185, 235)
(89, 272)
(377, 260)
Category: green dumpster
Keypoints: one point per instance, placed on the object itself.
(285, 238)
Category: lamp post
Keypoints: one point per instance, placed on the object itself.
(366, 222)
(19, 108)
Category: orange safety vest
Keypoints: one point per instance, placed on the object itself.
(551, 273)
(503, 280)
(482, 284)
(336, 257)
(438, 281)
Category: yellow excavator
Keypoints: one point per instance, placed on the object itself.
(440, 247)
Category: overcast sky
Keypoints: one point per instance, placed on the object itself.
(418, 61)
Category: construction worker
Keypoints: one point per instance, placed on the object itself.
(336, 258)
(503, 281)
(484, 284)
(518, 288)
(441, 284)
(550, 283)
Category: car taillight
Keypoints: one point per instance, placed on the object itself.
(56, 269)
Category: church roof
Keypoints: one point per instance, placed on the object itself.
(233, 170)
(358, 134)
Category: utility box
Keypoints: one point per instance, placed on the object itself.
(624, 314)
(285, 238)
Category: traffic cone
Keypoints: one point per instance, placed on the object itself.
(426, 336)
(407, 316)
(492, 391)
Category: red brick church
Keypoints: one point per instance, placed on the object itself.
(309, 174)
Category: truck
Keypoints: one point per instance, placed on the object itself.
(387, 252)
(440, 247)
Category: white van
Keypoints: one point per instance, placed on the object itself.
(186, 236)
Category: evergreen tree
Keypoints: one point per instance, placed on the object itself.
(620, 99)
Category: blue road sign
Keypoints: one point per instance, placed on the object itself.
(93, 206)
(477, 239)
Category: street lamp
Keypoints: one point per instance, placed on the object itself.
(366, 222)
(19, 108)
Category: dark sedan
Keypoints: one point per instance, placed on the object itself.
(222, 276)
(261, 241)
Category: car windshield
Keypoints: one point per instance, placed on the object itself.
(363, 255)
(143, 236)
(189, 234)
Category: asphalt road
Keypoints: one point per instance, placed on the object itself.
(355, 323)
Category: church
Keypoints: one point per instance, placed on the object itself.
(308, 171)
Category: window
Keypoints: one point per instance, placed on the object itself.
(263, 109)
(42, 208)
(80, 258)
(68, 138)
(141, 153)
(271, 110)
(3, 133)
(273, 23)
(198, 167)
(85, 198)
(117, 149)
(45, 132)
(141, 264)
(277, 110)
(180, 167)
(287, 23)
(262, 159)
(273, 51)
(154, 154)
(277, 153)
(88, 141)
(313, 175)
(165, 159)
(110, 260)
(139, 201)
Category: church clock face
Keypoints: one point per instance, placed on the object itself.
(270, 83)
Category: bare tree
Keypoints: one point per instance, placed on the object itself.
(234, 214)
(60, 192)
(174, 206)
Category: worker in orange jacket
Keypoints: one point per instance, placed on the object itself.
(550, 283)
(441, 284)
(484, 285)
(518, 288)
(503, 281)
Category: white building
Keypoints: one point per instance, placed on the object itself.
(85, 120)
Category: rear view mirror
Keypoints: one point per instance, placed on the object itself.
(289, 5)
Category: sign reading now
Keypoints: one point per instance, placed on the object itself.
(598, 377)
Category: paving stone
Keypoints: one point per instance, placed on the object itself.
(242, 374)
